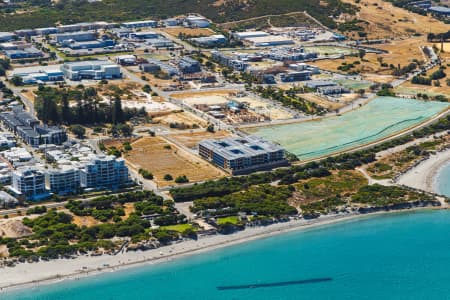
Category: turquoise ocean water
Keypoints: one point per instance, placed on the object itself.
(401, 256)
(443, 180)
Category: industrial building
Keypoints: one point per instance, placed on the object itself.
(160, 43)
(25, 32)
(84, 26)
(296, 76)
(140, 24)
(29, 183)
(7, 36)
(94, 44)
(232, 61)
(29, 129)
(249, 34)
(188, 65)
(81, 36)
(267, 41)
(172, 22)
(94, 69)
(46, 30)
(210, 41)
(39, 74)
(291, 54)
(197, 22)
(26, 53)
(143, 35)
(126, 60)
(152, 65)
(104, 172)
(243, 155)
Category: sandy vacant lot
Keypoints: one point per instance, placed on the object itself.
(330, 105)
(387, 21)
(175, 31)
(208, 97)
(192, 139)
(153, 154)
(180, 117)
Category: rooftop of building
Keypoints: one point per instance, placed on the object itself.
(234, 148)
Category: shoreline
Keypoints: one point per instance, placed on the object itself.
(33, 275)
(423, 176)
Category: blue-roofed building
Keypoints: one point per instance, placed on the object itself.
(243, 155)
(26, 53)
(88, 44)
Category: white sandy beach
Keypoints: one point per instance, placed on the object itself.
(423, 175)
(44, 272)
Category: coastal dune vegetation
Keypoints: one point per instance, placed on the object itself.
(143, 220)
(36, 14)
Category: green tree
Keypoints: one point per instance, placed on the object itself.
(78, 130)
(117, 112)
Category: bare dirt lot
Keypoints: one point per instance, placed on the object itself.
(181, 118)
(194, 32)
(330, 105)
(191, 140)
(161, 157)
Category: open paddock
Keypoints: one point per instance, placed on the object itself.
(161, 157)
(184, 117)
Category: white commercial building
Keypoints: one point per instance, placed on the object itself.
(94, 69)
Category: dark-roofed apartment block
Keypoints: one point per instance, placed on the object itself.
(243, 155)
(29, 129)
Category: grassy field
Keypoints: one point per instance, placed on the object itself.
(179, 227)
(231, 219)
(160, 157)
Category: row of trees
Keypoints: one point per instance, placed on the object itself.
(290, 99)
(55, 106)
